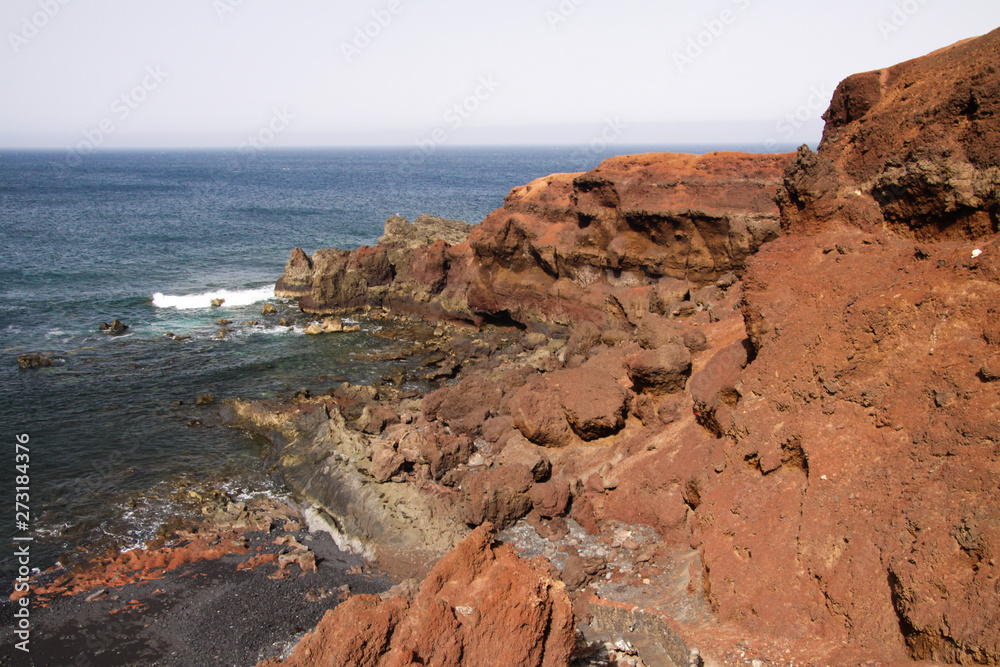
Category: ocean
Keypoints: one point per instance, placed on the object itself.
(149, 238)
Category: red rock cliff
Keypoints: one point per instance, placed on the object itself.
(858, 500)
(561, 246)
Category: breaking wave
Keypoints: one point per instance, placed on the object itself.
(232, 298)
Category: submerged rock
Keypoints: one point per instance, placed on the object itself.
(33, 361)
(115, 328)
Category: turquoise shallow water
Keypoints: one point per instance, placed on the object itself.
(85, 244)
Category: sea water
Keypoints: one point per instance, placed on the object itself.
(151, 238)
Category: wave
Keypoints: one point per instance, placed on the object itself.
(233, 298)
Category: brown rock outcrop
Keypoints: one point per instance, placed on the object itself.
(914, 147)
(563, 244)
(480, 605)
(562, 248)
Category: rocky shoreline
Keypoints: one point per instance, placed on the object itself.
(753, 397)
(725, 410)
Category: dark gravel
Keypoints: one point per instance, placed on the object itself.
(208, 615)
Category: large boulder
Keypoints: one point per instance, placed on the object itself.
(594, 403)
(663, 370)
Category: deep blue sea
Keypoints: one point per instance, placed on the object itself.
(98, 240)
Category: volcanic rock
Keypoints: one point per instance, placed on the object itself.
(115, 328)
(539, 415)
(498, 496)
(914, 148)
(424, 231)
(561, 246)
(27, 361)
(594, 403)
(664, 370)
(480, 605)
(863, 445)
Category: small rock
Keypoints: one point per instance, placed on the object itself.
(33, 361)
(726, 281)
(332, 325)
(268, 309)
(96, 595)
(534, 340)
(217, 302)
(625, 647)
(223, 322)
(205, 399)
(284, 322)
(314, 329)
(695, 341)
(249, 323)
(115, 328)
(990, 371)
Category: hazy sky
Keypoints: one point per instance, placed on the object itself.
(143, 73)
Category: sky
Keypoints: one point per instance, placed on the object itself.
(287, 73)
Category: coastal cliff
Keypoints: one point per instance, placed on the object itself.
(564, 246)
(765, 402)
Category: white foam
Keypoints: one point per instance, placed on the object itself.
(233, 298)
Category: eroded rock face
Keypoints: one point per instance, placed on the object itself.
(564, 248)
(563, 244)
(480, 605)
(819, 420)
(425, 230)
(913, 147)
(864, 446)
(854, 501)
